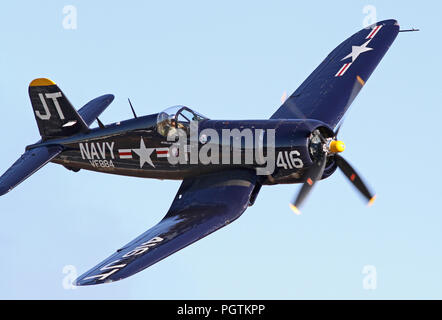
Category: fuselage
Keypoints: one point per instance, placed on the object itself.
(277, 149)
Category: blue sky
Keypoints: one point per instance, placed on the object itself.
(227, 60)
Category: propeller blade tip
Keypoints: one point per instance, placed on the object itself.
(295, 209)
(370, 203)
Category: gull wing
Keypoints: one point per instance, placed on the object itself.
(202, 205)
(328, 92)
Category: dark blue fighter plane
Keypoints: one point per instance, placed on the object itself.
(301, 134)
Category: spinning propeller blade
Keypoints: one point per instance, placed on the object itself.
(354, 178)
(314, 173)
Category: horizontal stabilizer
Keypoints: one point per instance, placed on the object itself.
(91, 110)
(26, 165)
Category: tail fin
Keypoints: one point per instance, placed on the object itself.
(55, 115)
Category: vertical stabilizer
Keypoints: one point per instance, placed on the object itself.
(55, 115)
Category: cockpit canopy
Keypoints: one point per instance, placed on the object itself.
(176, 117)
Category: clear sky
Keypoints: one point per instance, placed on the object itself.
(227, 60)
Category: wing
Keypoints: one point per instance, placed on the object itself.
(26, 165)
(328, 92)
(91, 110)
(201, 206)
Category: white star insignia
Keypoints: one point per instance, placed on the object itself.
(357, 50)
(144, 154)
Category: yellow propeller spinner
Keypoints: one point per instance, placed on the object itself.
(337, 146)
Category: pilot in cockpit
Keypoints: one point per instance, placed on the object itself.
(174, 119)
(173, 129)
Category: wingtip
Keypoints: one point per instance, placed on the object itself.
(391, 21)
(86, 283)
(82, 283)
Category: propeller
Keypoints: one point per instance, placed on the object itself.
(323, 149)
(313, 174)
